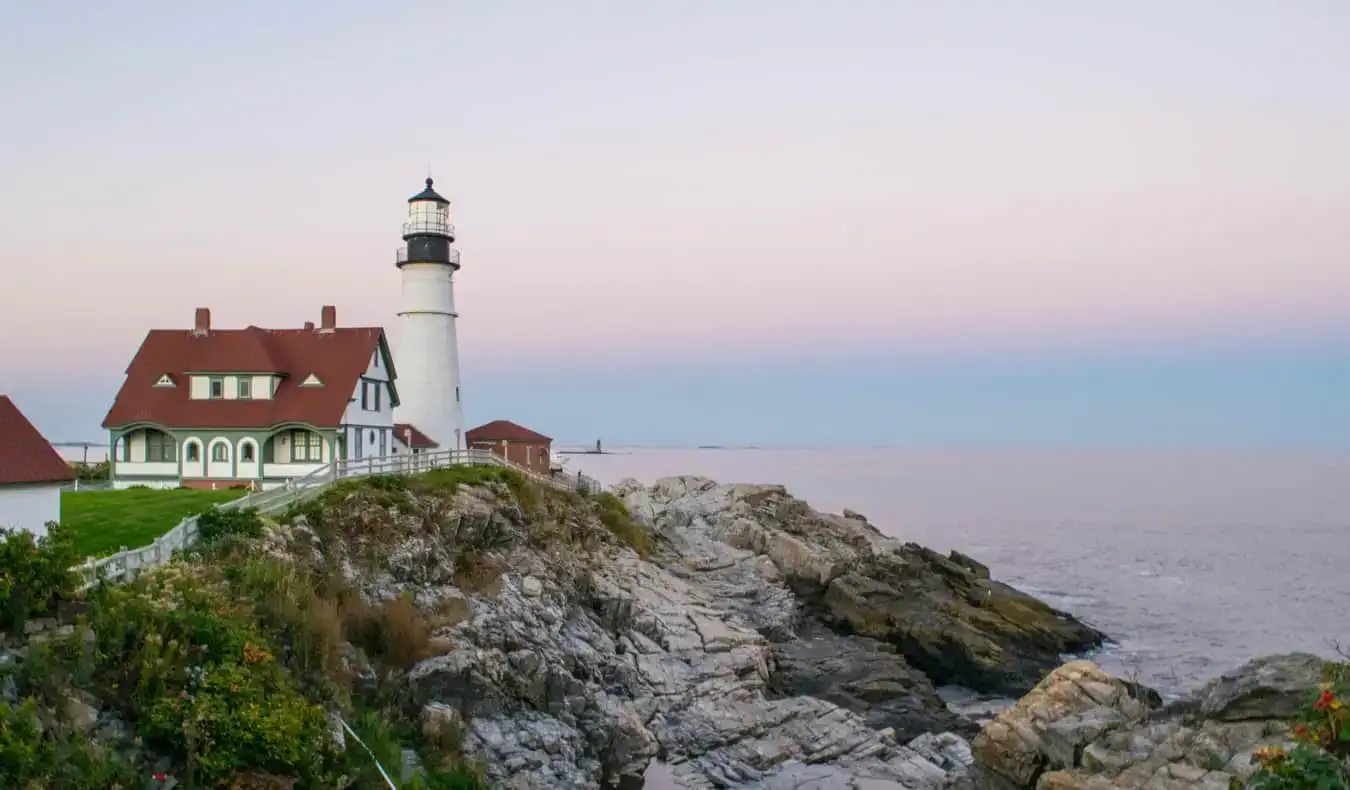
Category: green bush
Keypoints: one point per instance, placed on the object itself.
(614, 515)
(30, 758)
(35, 573)
(192, 666)
(23, 753)
(443, 769)
(1321, 760)
(218, 522)
(241, 715)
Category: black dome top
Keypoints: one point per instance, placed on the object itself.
(428, 194)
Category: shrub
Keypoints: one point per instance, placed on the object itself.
(241, 714)
(443, 765)
(35, 573)
(29, 757)
(23, 755)
(94, 471)
(394, 632)
(289, 605)
(1321, 759)
(616, 518)
(217, 523)
(194, 666)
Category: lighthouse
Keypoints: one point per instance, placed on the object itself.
(427, 350)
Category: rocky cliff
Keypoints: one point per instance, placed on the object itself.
(1082, 729)
(729, 630)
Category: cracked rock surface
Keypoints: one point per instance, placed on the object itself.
(759, 645)
(1082, 729)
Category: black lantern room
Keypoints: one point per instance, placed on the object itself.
(428, 233)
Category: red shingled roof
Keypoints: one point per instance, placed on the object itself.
(409, 435)
(25, 456)
(499, 430)
(337, 357)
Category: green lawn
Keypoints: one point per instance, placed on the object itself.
(105, 521)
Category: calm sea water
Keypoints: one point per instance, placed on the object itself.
(1193, 562)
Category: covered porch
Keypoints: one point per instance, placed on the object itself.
(153, 456)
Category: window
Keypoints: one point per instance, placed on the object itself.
(220, 452)
(377, 387)
(245, 388)
(456, 394)
(126, 448)
(306, 446)
(365, 395)
(384, 447)
(376, 362)
(194, 452)
(159, 447)
(164, 381)
(356, 436)
(217, 387)
(246, 453)
(311, 381)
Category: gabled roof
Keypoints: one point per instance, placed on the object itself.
(337, 357)
(499, 430)
(25, 456)
(410, 436)
(239, 351)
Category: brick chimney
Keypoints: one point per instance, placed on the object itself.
(328, 318)
(202, 324)
(309, 326)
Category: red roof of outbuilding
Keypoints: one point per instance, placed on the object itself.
(337, 357)
(409, 435)
(25, 456)
(498, 430)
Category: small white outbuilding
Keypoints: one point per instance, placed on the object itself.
(32, 474)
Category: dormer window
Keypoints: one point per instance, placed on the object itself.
(245, 388)
(217, 387)
(311, 380)
(164, 381)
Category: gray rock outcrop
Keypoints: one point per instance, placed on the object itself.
(763, 644)
(1083, 729)
(775, 559)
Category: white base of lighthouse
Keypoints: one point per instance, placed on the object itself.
(426, 355)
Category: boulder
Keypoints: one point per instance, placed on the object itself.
(1265, 688)
(1083, 729)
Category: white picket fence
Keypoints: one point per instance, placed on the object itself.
(127, 563)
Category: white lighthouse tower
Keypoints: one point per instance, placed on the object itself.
(427, 353)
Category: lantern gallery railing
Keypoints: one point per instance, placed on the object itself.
(401, 256)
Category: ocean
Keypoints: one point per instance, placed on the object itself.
(1193, 562)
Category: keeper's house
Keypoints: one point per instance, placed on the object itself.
(214, 408)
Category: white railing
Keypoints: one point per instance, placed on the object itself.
(127, 563)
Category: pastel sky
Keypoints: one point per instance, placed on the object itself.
(887, 222)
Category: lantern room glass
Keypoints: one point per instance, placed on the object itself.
(428, 216)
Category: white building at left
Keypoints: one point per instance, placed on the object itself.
(31, 474)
